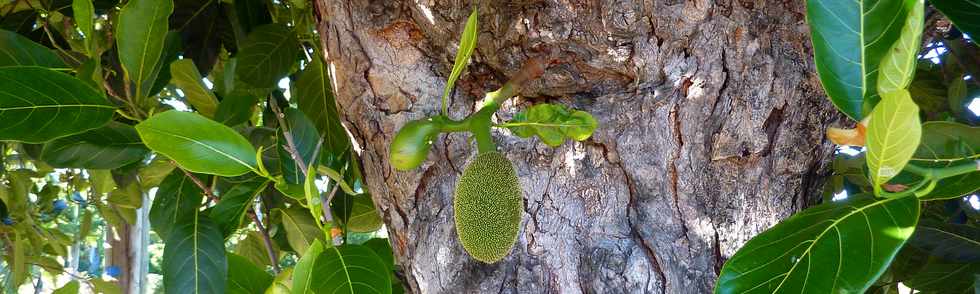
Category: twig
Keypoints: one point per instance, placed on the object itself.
(207, 190)
(273, 257)
(290, 145)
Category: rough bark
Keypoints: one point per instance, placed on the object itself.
(711, 130)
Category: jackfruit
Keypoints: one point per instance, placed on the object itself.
(488, 205)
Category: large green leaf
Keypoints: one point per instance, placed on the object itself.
(343, 269)
(315, 98)
(194, 257)
(948, 241)
(69, 288)
(850, 37)
(204, 26)
(235, 201)
(244, 277)
(356, 212)
(18, 50)
(177, 198)
(898, 65)
(235, 109)
(965, 14)
(301, 229)
(303, 272)
(111, 146)
(198, 144)
(892, 136)
(829, 248)
(38, 105)
(467, 43)
(141, 32)
(84, 16)
(946, 144)
(267, 55)
(188, 79)
(382, 248)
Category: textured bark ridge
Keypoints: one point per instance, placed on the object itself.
(711, 130)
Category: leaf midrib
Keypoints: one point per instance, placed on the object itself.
(246, 165)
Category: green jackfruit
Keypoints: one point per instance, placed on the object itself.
(488, 207)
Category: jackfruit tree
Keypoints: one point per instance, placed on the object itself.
(718, 123)
(361, 146)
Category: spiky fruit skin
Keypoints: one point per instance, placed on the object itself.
(488, 205)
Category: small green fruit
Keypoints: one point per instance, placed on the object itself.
(488, 207)
(412, 143)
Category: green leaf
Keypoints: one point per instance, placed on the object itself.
(948, 241)
(177, 198)
(105, 287)
(898, 64)
(141, 32)
(160, 78)
(252, 14)
(129, 196)
(301, 229)
(194, 257)
(382, 248)
(357, 213)
(235, 109)
(38, 105)
(940, 276)
(235, 201)
(305, 138)
(467, 43)
(344, 269)
(267, 55)
(71, 287)
(962, 13)
(313, 196)
(253, 249)
(893, 134)
(84, 16)
(281, 285)
(155, 172)
(188, 79)
(18, 50)
(198, 144)
(244, 277)
(850, 37)
(304, 270)
(553, 123)
(111, 146)
(17, 261)
(946, 144)
(204, 27)
(829, 248)
(316, 99)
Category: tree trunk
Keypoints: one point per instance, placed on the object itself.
(711, 130)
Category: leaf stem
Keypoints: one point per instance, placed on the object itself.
(273, 257)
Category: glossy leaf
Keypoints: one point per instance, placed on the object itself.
(948, 241)
(267, 55)
(176, 199)
(141, 32)
(467, 43)
(946, 144)
(382, 248)
(849, 40)
(198, 144)
(84, 16)
(244, 277)
(155, 172)
(18, 50)
(898, 65)
(893, 134)
(303, 272)
(235, 201)
(38, 105)
(963, 13)
(111, 146)
(829, 248)
(315, 98)
(69, 288)
(301, 229)
(553, 123)
(357, 213)
(194, 257)
(344, 269)
(189, 80)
